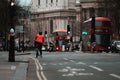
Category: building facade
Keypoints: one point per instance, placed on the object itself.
(51, 15)
(90, 8)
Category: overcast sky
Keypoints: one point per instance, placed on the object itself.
(24, 2)
(28, 2)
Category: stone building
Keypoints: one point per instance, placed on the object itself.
(90, 8)
(51, 15)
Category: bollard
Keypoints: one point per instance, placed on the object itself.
(63, 47)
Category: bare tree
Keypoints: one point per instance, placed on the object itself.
(3, 15)
(6, 15)
(112, 10)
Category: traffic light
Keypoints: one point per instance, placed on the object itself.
(68, 28)
(45, 32)
(12, 9)
(84, 32)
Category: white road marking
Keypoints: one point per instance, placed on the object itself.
(85, 74)
(95, 63)
(68, 67)
(74, 69)
(65, 58)
(44, 64)
(39, 67)
(72, 60)
(94, 67)
(81, 63)
(61, 64)
(63, 70)
(70, 72)
(77, 74)
(44, 77)
(116, 76)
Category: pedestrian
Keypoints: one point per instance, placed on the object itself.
(39, 40)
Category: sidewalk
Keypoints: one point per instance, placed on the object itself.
(14, 70)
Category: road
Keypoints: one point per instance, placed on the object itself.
(77, 66)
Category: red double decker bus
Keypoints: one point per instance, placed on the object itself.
(97, 38)
(60, 39)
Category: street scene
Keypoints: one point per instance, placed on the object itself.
(78, 66)
(59, 40)
(60, 66)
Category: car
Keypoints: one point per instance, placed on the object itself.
(115, 46)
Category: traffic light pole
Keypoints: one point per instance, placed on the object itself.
(93, 28)
(11, 47)
(11, 57)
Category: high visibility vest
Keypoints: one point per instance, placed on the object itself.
(39, 38)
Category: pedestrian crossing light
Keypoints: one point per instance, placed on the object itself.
(84, 32)
(68, 28)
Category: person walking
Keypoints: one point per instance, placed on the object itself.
(39, 40)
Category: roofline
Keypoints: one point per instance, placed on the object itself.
(61, 30)
(98, 19)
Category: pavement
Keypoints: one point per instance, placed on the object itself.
(14, 70)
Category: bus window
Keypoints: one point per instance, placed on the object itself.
(61, 33)
(102, 39)
(102, 23)
(60, 37)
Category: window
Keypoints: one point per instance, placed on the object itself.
(56, 2)
(51, 26)
(38, 2)
(62, 33)
(103, 39)
(51, 1)
(46, 3)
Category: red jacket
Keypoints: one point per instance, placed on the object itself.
(39, 38)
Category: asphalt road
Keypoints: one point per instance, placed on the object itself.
(77, 66)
